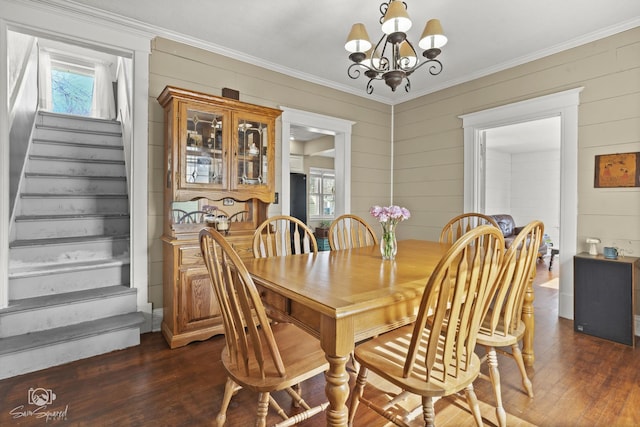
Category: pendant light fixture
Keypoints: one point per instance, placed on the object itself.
(393, 59)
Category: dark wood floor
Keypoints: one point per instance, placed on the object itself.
(578, 381)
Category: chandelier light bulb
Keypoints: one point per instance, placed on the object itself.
(408, 58)
(396, 20)
(358, 39)
(432, 36)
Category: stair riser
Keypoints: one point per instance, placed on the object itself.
(73, 205)
(22, 322)
(79, 137)
(69, 252)
(81, 168)
(77, 123)
(68, 281)
(61, 352)
(52, 185)
(44, 148)
(71, 227)
(69, 301)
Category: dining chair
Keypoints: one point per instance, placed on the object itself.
(350, 231)
(177, 215)
(503, 325)
(283, 235)
(434, 356)
(258, 355)
(197, 217)
(459, 225)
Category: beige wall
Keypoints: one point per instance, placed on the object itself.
(176, 64)
(428, 151)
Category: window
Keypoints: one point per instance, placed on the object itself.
(71, 87)
(322, 184)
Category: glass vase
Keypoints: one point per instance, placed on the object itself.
(388, 243)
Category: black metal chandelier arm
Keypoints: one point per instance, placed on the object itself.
(370, 86)
(354, 70)
(407, 87)
(434, 69)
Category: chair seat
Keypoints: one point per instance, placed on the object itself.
(386, 356)
(498, 338)
(301, 354)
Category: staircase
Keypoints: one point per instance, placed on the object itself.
(69, 293)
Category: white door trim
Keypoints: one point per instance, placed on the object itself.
(563, 104)
(4, 169)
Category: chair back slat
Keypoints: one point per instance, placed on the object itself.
(350, 231)
(453, 304)
(250, 342)
(461, 224)
(519, 268)
(283, 235)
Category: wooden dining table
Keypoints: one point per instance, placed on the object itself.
(344, 297)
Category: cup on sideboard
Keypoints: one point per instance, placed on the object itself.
(610, 252)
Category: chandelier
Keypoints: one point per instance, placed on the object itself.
(393, 59)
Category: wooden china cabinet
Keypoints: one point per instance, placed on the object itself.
(219, 159)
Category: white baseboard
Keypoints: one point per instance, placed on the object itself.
(158, 314)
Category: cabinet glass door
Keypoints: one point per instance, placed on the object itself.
(252, 153)
(204, 148)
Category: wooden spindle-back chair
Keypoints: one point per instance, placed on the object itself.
(435, 356)
(283, 235)
(350, 231)
(503, 325)
(461, 224)
(258, 355)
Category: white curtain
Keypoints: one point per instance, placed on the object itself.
(45, 81)
(103, 101)
(18, 50)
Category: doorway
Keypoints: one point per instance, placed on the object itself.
(522, 173)
(114, 39)
(340, 129)
(563, 105)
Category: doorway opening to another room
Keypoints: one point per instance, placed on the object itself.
(522, 175)
(332, 138)
(565, 106)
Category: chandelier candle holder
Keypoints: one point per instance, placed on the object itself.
(393, 59)
(389, 217)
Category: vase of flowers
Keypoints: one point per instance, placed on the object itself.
(389, 217)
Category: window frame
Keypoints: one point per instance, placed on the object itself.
(321, 173)
(70, 64)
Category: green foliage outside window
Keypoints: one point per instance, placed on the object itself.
(72, 93)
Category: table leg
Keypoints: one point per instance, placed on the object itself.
(335, 341)
(529, 320)
(554, 252)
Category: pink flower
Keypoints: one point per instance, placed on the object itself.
(390, 214)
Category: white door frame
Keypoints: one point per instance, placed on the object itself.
(563, 104)
(4, 169)
(341, 130)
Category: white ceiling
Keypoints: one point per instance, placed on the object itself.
(305, 38)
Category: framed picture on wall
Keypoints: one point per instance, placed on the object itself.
(617, 170)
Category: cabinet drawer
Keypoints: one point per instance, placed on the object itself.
(191, 255)
(242, 244)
